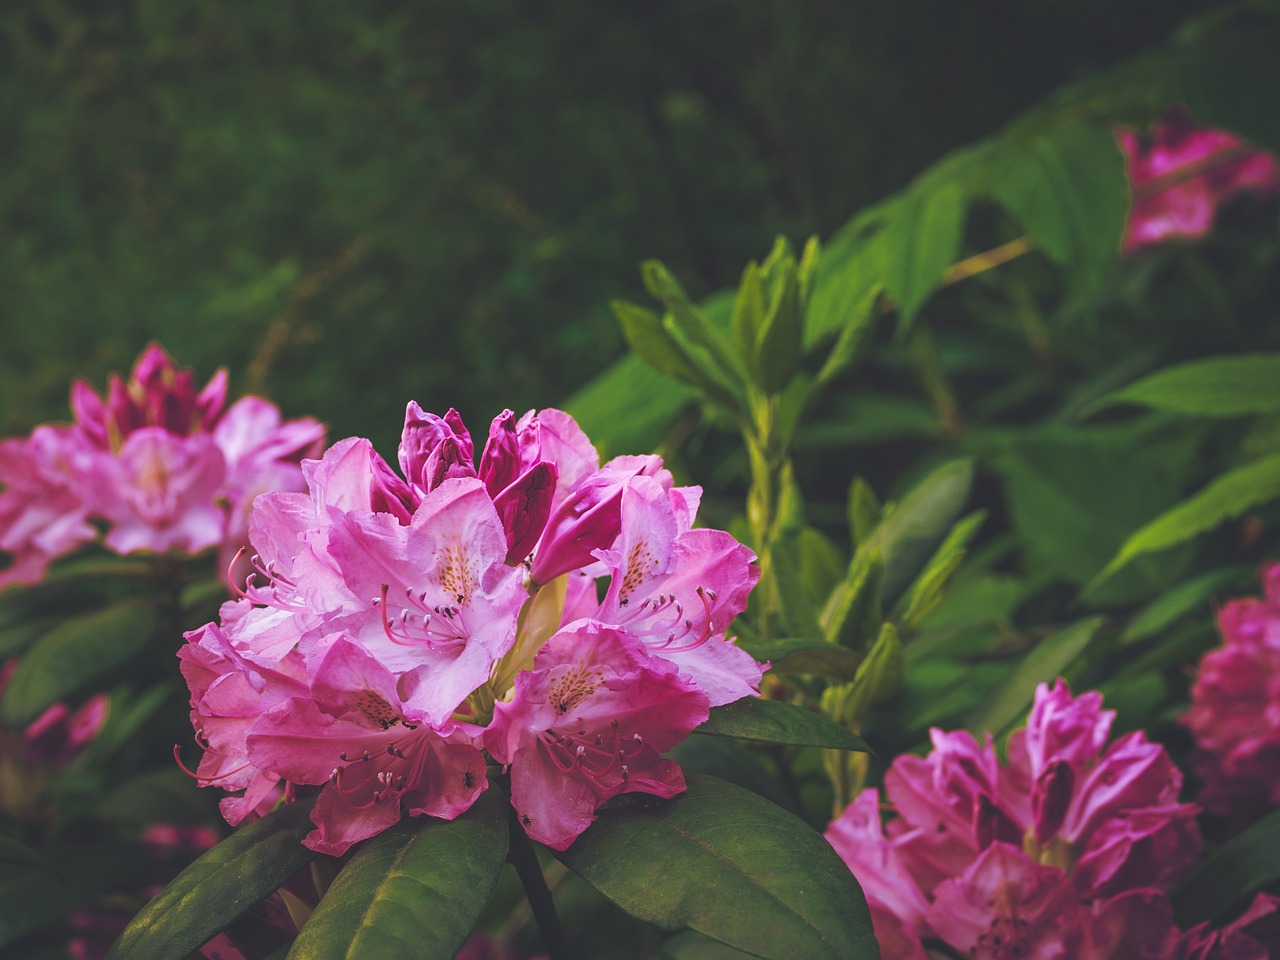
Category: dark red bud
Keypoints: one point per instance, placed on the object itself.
(1051, 798)
(524, 507)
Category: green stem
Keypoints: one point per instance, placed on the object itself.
(521, 855)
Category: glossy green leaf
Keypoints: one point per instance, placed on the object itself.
(75, 652)
(734, 761)
(1213, 387)
(218, 887)
(1228, 496)
(731, 865)
(772, 721)
(1041, 664)
(1069, 188)
(414, 891)
(805, 655)
(1247, 863)
(919, 242)
(694, 946)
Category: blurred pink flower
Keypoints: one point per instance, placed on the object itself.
(989, 857)
(161, 464)
(1235, 707)
(1182, 172)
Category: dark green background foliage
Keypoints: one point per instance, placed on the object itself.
(355, 205)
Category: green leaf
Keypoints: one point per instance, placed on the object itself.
(1075, 494)
(919, 242)
(414, 891)
(607, 411)
(1181, 600)
(804, 655)
(863, 509)
(1069, 189)
(1214, 387)
(731, 865)
(748, 311)
(16, 637)
(879, 676)
(74, 653)
(772, 721)
(653, 343)
(777, 350)
(908, 536)
(794, 601)
(930, 588)
(1042, 664)
(694, 946)
(1247, 863)
(218, 887)
(853, 610)
(1228, 496)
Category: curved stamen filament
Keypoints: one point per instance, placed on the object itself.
(435, 627)
(570, 754)
(269, 595)
(202, 780)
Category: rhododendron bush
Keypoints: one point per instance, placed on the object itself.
(945, 623)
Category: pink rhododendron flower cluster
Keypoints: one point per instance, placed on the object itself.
(1182, 173)
(399, 624)
(1235, 707)
(1068, 850)
(160, 464)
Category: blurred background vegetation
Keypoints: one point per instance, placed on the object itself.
(354, 205)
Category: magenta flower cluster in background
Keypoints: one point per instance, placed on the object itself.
(398, 625)
(1068, 850)
(158, 463)
(1235, 708)
(1182, 172)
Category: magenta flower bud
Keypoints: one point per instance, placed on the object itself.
(992, 825)
(447, 461)
(421, 456)
(388, 493)
(58, 735)
(500, 462)
(523, 508)
(1051, 798)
